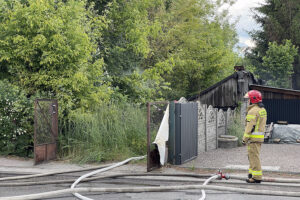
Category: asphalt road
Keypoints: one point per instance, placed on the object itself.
(285, 157)
(7, 190)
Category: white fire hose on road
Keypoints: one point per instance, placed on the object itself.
(99, 171)
(76, 191)
(152, 189)
(205, 183)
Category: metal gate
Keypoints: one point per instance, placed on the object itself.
(184, 146)
(283, 110)
(45, 129)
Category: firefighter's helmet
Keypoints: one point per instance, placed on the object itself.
(254, 96)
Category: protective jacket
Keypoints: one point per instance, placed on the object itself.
(256, 120)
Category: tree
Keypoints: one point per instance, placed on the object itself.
(47, 47)
(196, 42)
(125, 48)
(280, 21)
(278, 62)
(165, 48)
(156, 49)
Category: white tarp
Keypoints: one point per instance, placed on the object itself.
(162, 137)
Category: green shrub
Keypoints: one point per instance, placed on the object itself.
(49, 47)
(111, 132)
(236, 128)
(16, 124)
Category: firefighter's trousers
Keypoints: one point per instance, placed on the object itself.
(254, 160)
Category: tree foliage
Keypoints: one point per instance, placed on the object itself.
(16, 119)
(198, 45)
(47, 46)
(125, 46)
(280, 21)
(166, 49)
(278, 62)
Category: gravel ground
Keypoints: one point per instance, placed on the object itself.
(274, 157)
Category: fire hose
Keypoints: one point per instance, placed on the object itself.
(151, 189)
(205, 183)
(76, 191)
(51, 173)
(99, 171)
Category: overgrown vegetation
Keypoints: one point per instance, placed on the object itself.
(89, 53)
(236, 128)
(16, 120)
(112, 131)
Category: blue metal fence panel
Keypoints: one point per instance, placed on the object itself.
(186, 132)
(189, 133)
(283, 110)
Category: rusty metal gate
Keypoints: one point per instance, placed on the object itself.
(45, 129)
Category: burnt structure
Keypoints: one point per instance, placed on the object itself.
(276, 93)
(281, 104)
(228, 92)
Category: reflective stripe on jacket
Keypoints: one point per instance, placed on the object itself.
(256, 120)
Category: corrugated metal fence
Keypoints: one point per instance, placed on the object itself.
(283, 110)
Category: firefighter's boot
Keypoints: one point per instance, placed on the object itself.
(252, 180)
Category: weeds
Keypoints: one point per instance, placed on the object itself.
(236, 128)
(111, 132)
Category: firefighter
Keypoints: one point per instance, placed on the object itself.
(254, 134)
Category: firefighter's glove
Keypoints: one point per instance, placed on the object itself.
(245, 140)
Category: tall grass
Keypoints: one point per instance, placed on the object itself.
(236, 128)
(111, 132)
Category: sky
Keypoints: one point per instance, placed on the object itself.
(242, 10)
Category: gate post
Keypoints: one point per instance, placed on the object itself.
(148, 137)
(171, 142)
(216, 110)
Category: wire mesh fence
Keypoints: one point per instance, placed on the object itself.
(43, 125)
(45, 129)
